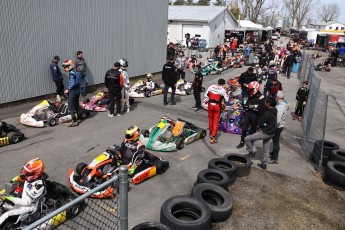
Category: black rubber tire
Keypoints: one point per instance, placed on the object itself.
(131, 100)
(14, 137)
(188, 91)
(145, 133)
(203, 134)
(80, 168)
(337, 155)
(51, 121)
(185, 213)
(151, 226)
(224, 165)
(328, 147)
(243, 163)
(219, 200)
(161, 166)
(86, 100)
(84, 115)
(147, 93)
(179, 144)
(214, 176)
(335, 170)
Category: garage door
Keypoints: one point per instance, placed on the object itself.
(194, 31)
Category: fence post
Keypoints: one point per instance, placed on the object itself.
(123, 197)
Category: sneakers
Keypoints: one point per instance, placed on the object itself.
(294, 117)
(263, 166)
(251, 154)
(173, 103)
(128, 109)
(240, 145)
(118, 115)
(213, 140)
(272, 161)
(194, 107)
(198, 110)
(73, 124)
(110, 115)
(165, 103)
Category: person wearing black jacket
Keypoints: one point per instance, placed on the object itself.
(301, 100)
(290, 60)
(169, 77)
(244, 80)
(267, 126)
(197, 86)
(255, 108)
(57, 77)
(114, 82)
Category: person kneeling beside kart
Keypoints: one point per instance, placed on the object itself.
(25, 200)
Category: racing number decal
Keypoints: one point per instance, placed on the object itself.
(4, 141)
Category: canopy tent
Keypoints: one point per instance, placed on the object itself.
(249, 24)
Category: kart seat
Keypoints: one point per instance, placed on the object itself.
(178, 128)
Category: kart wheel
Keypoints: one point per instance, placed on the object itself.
(145, 133)
(161, 166)
(51, 121)
(179, 144)
(203, 134)
(131, 100)
(147, 94)
(224, 165)
(185, 213)
(84, 115)
(216, 177)
(243, 163)
(14, 138)
(188, 91)
(80, 167)
(151, 226)
(86, 100)
(219, 201)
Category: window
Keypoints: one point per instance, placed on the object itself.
(330, 27)
(337, 28)
(342, 28)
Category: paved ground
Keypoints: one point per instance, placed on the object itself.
(62, 148)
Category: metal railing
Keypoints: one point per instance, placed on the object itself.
(96, 213)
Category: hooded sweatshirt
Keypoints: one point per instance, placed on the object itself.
(282, 108)
(268, 122)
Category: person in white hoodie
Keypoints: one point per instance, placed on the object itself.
(282, 108)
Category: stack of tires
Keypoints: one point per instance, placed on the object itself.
(335, 168)
(328, 147)
(210, 202)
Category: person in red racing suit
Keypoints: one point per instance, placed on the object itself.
(33, 188)
(216, 95)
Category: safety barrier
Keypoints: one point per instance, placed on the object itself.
(93, 213)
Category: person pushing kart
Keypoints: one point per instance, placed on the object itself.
(124, 64)
(73, 92)
(32, 179)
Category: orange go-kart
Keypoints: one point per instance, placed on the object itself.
(106, 165)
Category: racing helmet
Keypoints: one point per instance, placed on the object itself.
(132, 134)
(253, 88)
(149, 77)
(33, 169)
(123, 62)
(68, 65)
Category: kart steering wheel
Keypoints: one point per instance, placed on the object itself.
(6, 200)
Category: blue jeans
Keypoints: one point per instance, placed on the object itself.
(84, 82)
(288, 72)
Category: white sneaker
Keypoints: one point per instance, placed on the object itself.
(119, 114)
(110, 115)
(128, 109)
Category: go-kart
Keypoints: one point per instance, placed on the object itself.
(169, 135)
(56, 195)
(140, 90)
(184, 88)
(106, 165)
(49, 112)
(9, 134)
(99, 102)
(231, 121)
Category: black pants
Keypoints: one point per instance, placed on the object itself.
(267, 86)
(249, 120)
(181, 74)
(112, 98)
(166, 88)
(276, 144)
(224, 55)
(299, 108)
(73, 102)
(197, 97)
(59, 87)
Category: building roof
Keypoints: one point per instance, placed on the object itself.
(194, 13)
(324, 23)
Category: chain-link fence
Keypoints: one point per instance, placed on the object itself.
(315, 112)
(89, 213)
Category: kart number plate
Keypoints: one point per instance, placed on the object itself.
(4, 141)
(161, 125)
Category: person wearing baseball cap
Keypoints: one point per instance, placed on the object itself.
(57, 77)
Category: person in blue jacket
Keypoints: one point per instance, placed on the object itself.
(57, 77)
(73, 92)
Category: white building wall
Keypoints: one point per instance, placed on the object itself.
(176, 31)
(334, 26)
(217, 29)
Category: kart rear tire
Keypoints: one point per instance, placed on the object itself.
(151, 226)
(84, 115)
(337, 155)
(145, 133)
(14, 137)
(335, 170)
(86, 100)
(179, 144)
(203, 134)
(161, 166)
(188, 91)
(80, 167)
(52, 121)
(244, 165)
(131, 100)
(214, 176)
(185, 213)
(147, 93)
(224, 165)
(219, 201)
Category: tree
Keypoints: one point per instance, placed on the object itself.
(179, 2)
(204, 2)
(329, 12)
(219, 3)
(235, 11)
(269, 18)
(253, 9)
(303, 11)
(189, 2)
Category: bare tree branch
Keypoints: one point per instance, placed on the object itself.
(329, 12)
